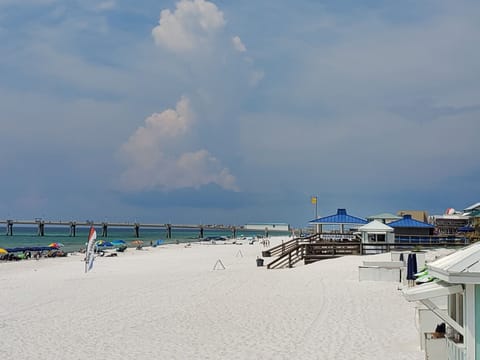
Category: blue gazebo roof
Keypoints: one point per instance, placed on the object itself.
(408, 222)
(341, 217)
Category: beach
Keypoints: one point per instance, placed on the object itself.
(178, 302)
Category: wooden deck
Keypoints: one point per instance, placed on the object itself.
(314, 248)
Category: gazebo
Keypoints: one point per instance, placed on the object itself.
(340, 219)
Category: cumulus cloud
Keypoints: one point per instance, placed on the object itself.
(153, 161)
(238, 44)
(191, 24)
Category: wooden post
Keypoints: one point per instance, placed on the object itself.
(234, 230)
(201, 232)
(136, 230)
(290, 259)
(169, 231)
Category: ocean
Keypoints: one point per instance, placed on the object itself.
(27, 236)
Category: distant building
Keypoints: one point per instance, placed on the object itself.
(472, 208)
(418, 215)
(268, 227)
(449, 224)
(384, 218)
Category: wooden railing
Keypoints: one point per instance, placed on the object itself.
(314, 248)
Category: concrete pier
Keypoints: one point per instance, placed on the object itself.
(72, 226)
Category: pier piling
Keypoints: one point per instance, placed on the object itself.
(73, 229)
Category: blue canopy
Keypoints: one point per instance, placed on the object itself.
(408, 222)
(466, 228)
(29, 248)
(117, 242)
(159, 242)
(341, 217)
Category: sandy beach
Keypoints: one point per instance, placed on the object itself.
(168, 302)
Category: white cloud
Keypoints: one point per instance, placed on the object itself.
(106, 5)
(238, 44)
(191, 24)
(153, 161)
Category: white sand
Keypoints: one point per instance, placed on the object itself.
(169, 303)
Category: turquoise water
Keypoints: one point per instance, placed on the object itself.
(27, 236)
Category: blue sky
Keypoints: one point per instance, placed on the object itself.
(232, 112)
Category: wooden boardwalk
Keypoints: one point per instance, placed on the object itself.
(314, 248)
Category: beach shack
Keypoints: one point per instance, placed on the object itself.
(376, 231)
(458, 277)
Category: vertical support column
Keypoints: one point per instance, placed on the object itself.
(73, 229)
(41, 228)
(469, 317)
(169, 231)
(136, 230)
(201, 232)
(9, 227)
(105, 229)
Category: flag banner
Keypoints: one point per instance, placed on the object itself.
(313, 200)
(90, 253)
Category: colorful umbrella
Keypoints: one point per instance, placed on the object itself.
(3, 251)
(55, 245)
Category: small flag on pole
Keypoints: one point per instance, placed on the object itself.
(313, 199)
(90, 253)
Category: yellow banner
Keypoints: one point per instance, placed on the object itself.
(313, 200)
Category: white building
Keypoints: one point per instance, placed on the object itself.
(268, 227)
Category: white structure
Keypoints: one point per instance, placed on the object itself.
(268, 227)
(459, 275)
(376, 231)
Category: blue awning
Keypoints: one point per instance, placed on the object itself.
(341, 217)
(408, 222)
(466, 228)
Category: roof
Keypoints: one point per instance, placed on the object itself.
(375, 226)
(461, 267)
(431, 290)
(408, 222)
(472, 207)
(473, 213)
(341, 217)
(385, 216)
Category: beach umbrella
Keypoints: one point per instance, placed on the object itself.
(159, 242)
(411, 266)
(3, 251)
(117, 242)
(103, 243)
(55, 245)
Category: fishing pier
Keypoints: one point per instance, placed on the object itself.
(135, 226)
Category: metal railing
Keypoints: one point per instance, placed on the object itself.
(455, 351)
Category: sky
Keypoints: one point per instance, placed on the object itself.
(232, 112)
